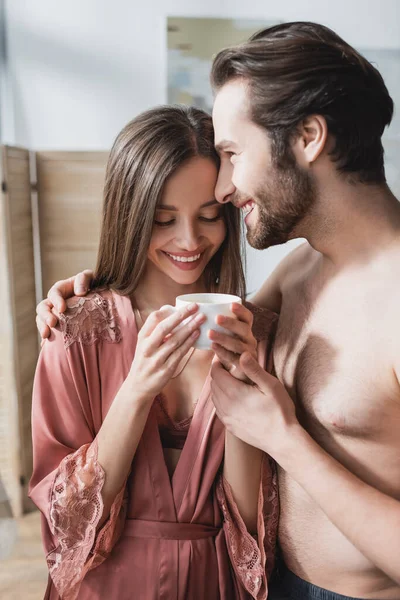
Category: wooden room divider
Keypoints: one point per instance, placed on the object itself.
(54, 198)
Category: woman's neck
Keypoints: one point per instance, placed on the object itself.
(156, 289)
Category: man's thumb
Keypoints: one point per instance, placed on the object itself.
(253, 370)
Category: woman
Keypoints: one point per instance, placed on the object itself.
(128, 452)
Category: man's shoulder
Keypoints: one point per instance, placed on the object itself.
(90, 319)
(293, 265)
(296, 262)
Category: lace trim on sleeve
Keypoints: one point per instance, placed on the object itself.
(252, 558)
(90, 319)
(268, 513)
(76, 507)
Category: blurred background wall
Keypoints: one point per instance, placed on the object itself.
(77, 71)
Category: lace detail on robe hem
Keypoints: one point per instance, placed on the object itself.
(90, 319)
(252, 556)
(75, 511)
(270, 513)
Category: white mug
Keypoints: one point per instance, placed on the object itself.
(210, 305)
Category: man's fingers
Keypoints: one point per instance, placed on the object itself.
(82, 282)
(217, 371)
(255, 372)
(217, 390)
(77, 285)
(226, 384)
(59, 291)
(44, 330)
(43, 310)
(226, 358)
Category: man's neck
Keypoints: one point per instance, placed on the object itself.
(353, 223)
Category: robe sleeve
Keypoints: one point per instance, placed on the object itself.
(253, 558)
(67, 478)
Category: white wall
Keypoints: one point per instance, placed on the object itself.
(80, 69)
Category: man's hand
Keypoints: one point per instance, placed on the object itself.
(263, 414)
(48, 310)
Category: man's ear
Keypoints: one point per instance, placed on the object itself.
(311, 139)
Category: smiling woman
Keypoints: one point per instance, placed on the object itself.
(139, 484)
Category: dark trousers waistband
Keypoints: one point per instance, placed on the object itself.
(291, 587)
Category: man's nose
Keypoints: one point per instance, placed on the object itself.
(224, 187)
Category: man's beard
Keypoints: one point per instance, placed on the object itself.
(282, 203)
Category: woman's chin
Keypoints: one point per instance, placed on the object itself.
(186, 278)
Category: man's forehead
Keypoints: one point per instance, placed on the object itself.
(230, 107)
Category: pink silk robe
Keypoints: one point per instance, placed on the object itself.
(170, 539)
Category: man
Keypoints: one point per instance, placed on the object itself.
(298, 118)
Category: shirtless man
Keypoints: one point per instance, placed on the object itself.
(298, 119)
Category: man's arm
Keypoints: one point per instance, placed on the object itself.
(264, 416)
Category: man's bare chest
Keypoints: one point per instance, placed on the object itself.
(332, 358)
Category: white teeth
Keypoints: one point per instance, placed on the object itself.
(184, 258)
(247, 208)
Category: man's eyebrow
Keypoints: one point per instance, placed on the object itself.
(170, 207)
(224, 144)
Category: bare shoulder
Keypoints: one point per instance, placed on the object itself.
(91, 318)
(270, 294)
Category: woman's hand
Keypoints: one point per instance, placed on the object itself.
(229, 348)
(161, 347)
(48, 310)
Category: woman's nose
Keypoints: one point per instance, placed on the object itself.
(189, 237)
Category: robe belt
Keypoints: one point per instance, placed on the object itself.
(168, 531)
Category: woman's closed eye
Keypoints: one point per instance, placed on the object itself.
(211, 217)
(164, 223)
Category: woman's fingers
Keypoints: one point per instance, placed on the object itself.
(176, 341)
(176, 356)
(161, 322)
